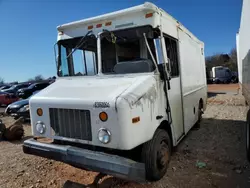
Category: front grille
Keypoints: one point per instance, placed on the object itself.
(71, 123)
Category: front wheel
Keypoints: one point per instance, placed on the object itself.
(197, 125)
(156, 155)
(248, 135)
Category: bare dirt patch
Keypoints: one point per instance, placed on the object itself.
(213, 156)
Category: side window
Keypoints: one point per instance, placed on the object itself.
(172, 52)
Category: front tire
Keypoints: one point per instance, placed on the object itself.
(2, 130)
(200, 112)
(248, 135)
(156, 155)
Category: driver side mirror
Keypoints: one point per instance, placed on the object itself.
(165, 70)
(163, 66)
(168, 67)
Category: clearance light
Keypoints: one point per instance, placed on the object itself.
(90, 27)
(103, 116)
(136, 119)
(98, 25)
(148, 15)
(108, 23)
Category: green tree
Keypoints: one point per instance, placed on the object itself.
(220, 59)
(1, 80)
(36, 78)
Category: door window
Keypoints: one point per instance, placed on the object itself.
(172, 53)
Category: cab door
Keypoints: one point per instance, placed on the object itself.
(170, 53)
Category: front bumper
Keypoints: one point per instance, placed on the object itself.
(86, 159)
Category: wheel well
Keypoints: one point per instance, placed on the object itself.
(165, 126)
(201, 102)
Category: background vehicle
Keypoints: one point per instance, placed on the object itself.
(7, 98)
(5, 87)
(121, 90)
(20, 108)
(243, 54)
(13, 108)
(26, 92)
(221, 75)
(13, 89)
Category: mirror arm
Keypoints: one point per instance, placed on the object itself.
(151, 54)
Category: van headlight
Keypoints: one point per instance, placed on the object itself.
(40, 127)
(104, 135)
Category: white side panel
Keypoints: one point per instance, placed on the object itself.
(244, 44)
(193, 76)
(191, 104)
(238, 57)
(169, 26)
(175, 101)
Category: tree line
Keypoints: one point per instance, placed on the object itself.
(219, 59)
(34, 79)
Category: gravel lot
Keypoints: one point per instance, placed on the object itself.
(2, 109)
(219, 144)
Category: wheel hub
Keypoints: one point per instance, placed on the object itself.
(163, 155)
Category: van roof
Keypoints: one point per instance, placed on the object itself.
(147, 6)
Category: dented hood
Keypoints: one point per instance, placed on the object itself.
(89, 89)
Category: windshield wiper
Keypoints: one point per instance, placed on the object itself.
(79, 44)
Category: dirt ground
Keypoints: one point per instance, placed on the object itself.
(219, 145)
(223, 88)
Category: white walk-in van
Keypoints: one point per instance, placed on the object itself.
(130, 86)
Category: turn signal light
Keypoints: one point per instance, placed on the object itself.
(108, 23)
(39, 112)
(103, 116)
(90, 27)
(98, 25)
(136, 119)
(148, 15)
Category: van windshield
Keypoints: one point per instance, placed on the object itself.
(122, 52)
(77, 57)
(125, 51)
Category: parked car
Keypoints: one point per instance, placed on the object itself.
(19, 108)
(7, 98)
(26, 92)
(221, 75)
(13, 89)
(5, 87)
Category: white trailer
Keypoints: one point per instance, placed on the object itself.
(131, 84)
(243, 55)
